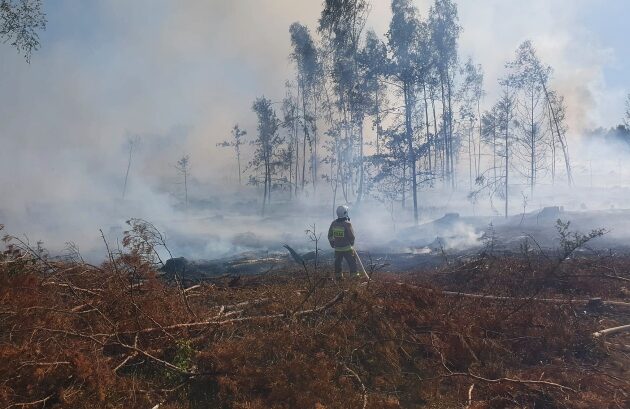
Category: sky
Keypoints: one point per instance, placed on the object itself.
(180, 74)
(111, 68)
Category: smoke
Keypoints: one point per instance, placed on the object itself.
(179, 75)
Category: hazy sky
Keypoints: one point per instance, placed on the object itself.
(111, 68)
(181, 73)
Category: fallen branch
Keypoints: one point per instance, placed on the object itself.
(120, 365)
(470, 392)
(259, 301)
(158, 360)
(610, 331)
(41, 402)
(94, 292)
(499, 380)
(44, 363)
(616, 277)
(194, 287)
(217, 322)
(505, 298)
(356, 376)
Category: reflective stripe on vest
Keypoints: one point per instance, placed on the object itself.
(345, 248)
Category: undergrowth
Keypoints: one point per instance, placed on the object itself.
(118, 335)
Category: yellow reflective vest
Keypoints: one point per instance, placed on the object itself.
(341, 235)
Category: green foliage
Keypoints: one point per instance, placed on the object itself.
(184, 355)
(20, 21)
(182, 359)
(571, 241)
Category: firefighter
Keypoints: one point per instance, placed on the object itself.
(341, 238)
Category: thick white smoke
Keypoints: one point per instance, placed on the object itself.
(179, 75)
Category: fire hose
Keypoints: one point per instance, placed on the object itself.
(356, 253)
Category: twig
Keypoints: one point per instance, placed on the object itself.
(616, 277)
(109, 253)
(120, 365)
(157, 360)
(610, 331)
(356, 376)
(505, 298)
(37, 402)
(256, 302)
(499, 380)
(470, 392)
(217, 322)
(44, 363)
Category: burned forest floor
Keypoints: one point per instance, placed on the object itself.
(521, 330)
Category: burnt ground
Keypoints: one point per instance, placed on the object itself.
(434, 244)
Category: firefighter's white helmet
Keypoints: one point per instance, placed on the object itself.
(342, 211)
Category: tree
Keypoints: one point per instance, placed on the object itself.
(445, 30)
(498, 133)
(403, 40)
(505, 111)
(470, 96)
(531, 114)
(490, 134)
(373, 64)
(183, 167)
(626, 119)
(131, 143)
(391, 178)
(306, 60)
(236, 142)
(267, 144)
(528, 63)
(20, 21)
(341, 24)
(291, 122)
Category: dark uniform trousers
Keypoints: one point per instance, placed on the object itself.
(350, 259)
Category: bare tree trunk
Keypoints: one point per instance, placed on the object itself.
(435, 135)
(494, 153)
(565, 149)
(450, 130)
(362, 170)
(553, 152)
(471, 156)
(269, 181)
(532, 148)
(305, 137)
(412, 154)
(314, 159)
(507, 162)
(128, 167)
(444, 130)
(303, 161)
(297, 141)
(378, 124)
(238, 159)
(479, 139)
(426, 124)
(186, 188)
(264, 202)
